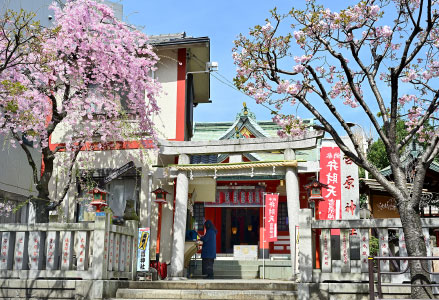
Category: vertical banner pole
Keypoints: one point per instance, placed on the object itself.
(263, 237)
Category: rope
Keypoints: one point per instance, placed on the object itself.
(235, 166)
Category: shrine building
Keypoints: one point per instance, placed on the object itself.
(222, 175)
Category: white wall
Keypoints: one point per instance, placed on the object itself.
(15, 171)
(167, 75)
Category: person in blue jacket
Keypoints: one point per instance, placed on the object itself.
(208, 252)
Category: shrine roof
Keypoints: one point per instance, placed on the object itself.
(246, 120)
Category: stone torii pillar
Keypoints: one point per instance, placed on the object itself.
(177, 258)
(293, 204)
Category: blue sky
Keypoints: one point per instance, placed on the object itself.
(222, 21)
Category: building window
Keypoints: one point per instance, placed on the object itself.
(199, 216)
(282, 217)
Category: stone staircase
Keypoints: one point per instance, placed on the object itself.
(243, 269)
(209, 289)
(17, 289)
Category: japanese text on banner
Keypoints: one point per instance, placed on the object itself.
(271, 203)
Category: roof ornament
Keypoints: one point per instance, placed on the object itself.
(237, 135)
(245, 112)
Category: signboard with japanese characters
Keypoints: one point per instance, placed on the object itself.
(128, 252)
(231, 196)
(341, 198)
(271, 203)
(66, 250)
(383, 236)
(325, 241)
(350, 194)
(20, 256)
(364, 249)
(82, 243)
(35, 250)
(7, 251)
(330, 208)
(245, 252)
(52, 248)
(122, 253)
(143, 250)
(111, 252)
(345, 253)
(116, 252)
(402, 250)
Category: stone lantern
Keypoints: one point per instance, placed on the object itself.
(315, 194)
(99, 198)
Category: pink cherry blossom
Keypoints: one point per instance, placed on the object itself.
(89, 78)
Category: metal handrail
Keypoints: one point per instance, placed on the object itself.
(379, 273)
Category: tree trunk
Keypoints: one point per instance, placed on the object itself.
(41, 204)
(415, 243)
(41, 210)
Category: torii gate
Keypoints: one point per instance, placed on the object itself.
(289, 167)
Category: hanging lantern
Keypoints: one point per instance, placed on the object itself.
(99, 198)
(315, 192)
(160, 195)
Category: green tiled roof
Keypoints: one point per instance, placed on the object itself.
(206, 131)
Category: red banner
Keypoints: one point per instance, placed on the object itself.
(330, 174)
(237, 198)
(271, 202)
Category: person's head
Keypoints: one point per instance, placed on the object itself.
(209, 225)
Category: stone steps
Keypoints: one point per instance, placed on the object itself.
(37, 293)
(213, 285)
(204, 294)
(244, 269)
(209, 289)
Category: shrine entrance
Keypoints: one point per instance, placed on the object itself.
(240, 226)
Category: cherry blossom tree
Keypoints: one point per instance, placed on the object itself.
(91, 81)
(378, 58)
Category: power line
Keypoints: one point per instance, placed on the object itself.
(229, 83)
(236, 89)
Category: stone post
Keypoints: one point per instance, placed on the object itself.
(100, 246)
(306, 257)
(177, 258)
(166, 230)
(293, 204)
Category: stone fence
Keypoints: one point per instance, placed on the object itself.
(96, 251)
(344, 248)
